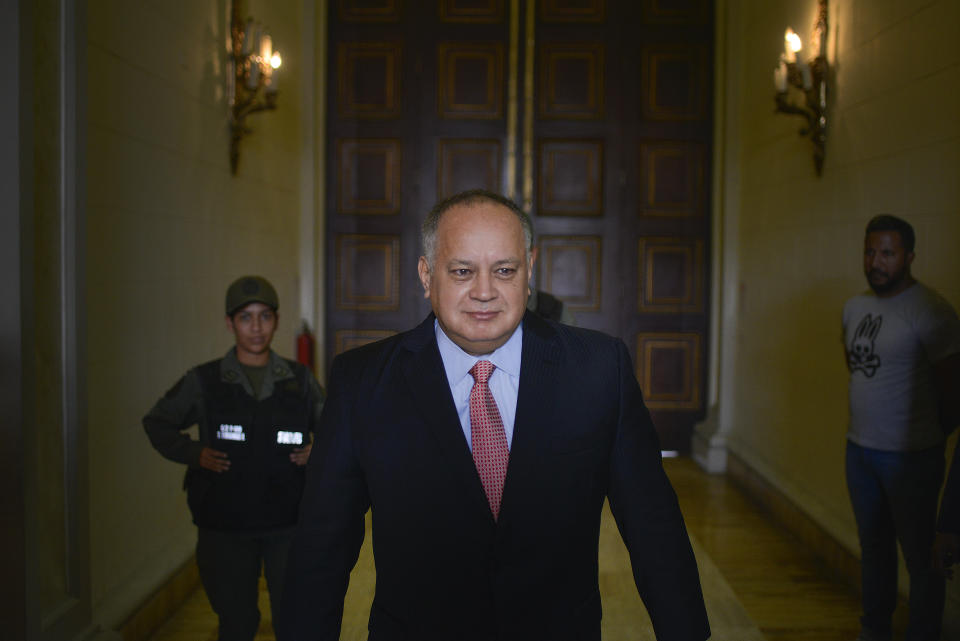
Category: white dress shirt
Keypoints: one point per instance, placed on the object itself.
(504, 382)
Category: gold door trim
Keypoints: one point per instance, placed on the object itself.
(528, 107)
(512, 98)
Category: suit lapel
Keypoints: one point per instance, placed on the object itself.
(428, 383)
(540, 362)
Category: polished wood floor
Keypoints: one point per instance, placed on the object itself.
(758, 583)
(788, 593)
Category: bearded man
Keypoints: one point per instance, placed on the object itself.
(902, 343)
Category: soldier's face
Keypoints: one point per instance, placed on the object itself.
(886, 263)
(479, 282)
(253, 326)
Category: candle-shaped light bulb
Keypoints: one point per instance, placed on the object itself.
(266, 47)
(273, 72)
(791, 45)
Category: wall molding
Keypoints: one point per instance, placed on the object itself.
(839, 562)
(163, 603)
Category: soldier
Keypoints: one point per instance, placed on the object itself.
(256, 412)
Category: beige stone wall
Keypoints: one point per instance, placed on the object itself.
(893, 147)
(168, 228)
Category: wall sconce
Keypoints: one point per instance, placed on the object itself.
(254, 68)
(810, 77)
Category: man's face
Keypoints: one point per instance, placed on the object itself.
(479, 282)
(885, 262)
(253, 326)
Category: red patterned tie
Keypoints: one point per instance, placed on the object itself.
(489, 440)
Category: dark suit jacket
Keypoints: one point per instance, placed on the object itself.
(390, 439)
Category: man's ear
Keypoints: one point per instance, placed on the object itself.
(908, 259)
(423, 269)
(228, 321)
(533, 260)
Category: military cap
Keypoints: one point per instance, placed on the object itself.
(250, 289)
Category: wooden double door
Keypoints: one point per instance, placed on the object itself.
(595, 115)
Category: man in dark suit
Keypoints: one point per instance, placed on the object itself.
(486, 488)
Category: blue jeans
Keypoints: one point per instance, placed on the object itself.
(894, 496)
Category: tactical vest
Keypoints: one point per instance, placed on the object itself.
(262, 488)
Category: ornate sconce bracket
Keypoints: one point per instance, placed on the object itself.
(251, 77)
(809, 79)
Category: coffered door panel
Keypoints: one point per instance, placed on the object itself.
(571, 80)
(417, 107)
(670, 88)
(621, 137)
(570, 178)
(368, 79)
(368, 176)
(569, 267)
(594, 115)
(472, 11)
(470, 80)
(468, 164)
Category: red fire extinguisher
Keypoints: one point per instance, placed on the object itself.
(305, 348)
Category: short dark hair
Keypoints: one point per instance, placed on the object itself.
(428, 232)
(886, 222)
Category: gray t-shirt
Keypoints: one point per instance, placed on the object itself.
(892, 344)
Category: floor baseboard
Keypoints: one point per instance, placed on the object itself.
(839, 562)
(161, 605)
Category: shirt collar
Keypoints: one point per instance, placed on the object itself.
(458, 363)
(231, 371)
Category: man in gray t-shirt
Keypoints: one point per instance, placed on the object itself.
(902, 343)
(892, 344)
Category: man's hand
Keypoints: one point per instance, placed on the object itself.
(300, 455)
(214, 460)
(945, 552)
